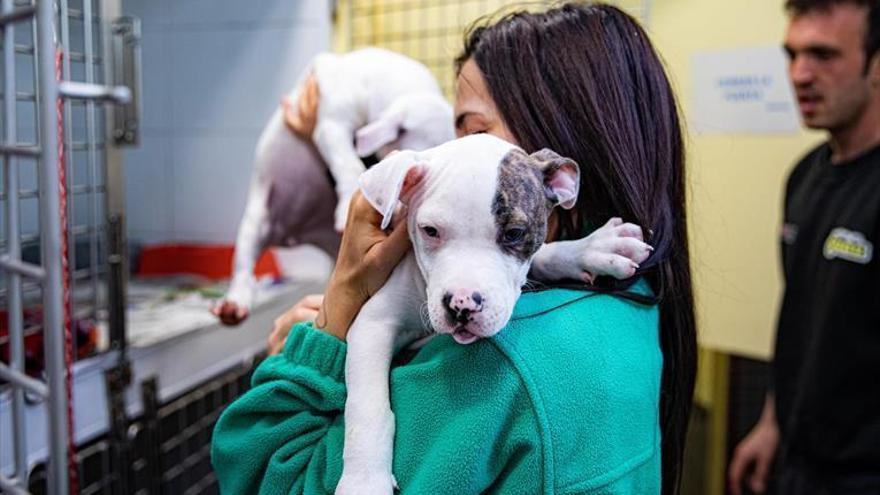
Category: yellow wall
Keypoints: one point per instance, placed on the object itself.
(431, 31)
(736, 180)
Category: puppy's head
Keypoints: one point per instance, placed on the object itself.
(416, 121)
(477, 211)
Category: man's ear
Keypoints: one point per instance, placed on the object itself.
(874, 71)
(384, 130)
(391, 180)
(561, 177)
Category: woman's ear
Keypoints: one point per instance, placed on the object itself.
(371, 137)
(392, 180)
(561, 177)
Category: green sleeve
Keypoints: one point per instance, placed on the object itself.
(279, 437)
(464, 422)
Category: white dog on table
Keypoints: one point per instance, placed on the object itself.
(371, 102)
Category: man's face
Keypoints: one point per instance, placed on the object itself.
(827, 65)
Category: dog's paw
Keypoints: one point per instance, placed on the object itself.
(616, 249)
(229, 312)
(234, 308)
(366, 483)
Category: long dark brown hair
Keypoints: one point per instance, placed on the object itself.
(585, 81)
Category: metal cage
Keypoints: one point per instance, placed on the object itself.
(53, 74)
(432, 31)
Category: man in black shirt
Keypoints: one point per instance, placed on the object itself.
(821, 421)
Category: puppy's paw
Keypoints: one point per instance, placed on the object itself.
(616, 249)
(366, 483)
(230, 313)
(234, 308)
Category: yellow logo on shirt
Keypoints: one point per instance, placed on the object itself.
(848, 245)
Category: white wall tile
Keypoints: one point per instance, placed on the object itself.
(234, 80)
(209, 180)
(148, 195)
(214, 71)
(259, 12)
(156, 80)
(154, 14)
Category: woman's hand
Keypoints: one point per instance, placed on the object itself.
(301, 115)
(304, 310)
(366, 257)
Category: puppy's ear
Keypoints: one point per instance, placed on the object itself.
(561, 177)
(392, 180)
(371, 137)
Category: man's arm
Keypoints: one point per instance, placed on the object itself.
(754, 455)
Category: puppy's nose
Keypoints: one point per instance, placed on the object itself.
(461, 303)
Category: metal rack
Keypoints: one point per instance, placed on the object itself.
(170, 442)
(33, 212)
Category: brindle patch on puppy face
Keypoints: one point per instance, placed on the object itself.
(520, 206)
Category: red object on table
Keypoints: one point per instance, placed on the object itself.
(210, 261)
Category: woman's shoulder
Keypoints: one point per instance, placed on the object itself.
(586, 366)
(583, 325)
(593, 364)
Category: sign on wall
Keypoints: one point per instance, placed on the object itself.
(743, 91)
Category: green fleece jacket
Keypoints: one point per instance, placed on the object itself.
(564, 400)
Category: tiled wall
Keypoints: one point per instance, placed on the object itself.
(213, 73)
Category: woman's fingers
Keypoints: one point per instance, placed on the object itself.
(312, 301)
(301, 116)
(306, 309)
(393, 248)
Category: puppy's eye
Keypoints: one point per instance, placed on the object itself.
(430, 231)
(514, 235)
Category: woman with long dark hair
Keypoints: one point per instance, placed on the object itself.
(588, 389)
(589, 85)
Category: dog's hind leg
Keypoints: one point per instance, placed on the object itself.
(253, 237)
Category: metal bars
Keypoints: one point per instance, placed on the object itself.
(14, 15)
(24, 381)
(50, 243)
(13, 282)
(86, 203)
(17, 267)
(432, 31)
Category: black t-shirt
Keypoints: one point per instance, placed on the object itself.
(827, 363)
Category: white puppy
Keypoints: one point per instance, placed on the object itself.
(371, 101)
(476, 210)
